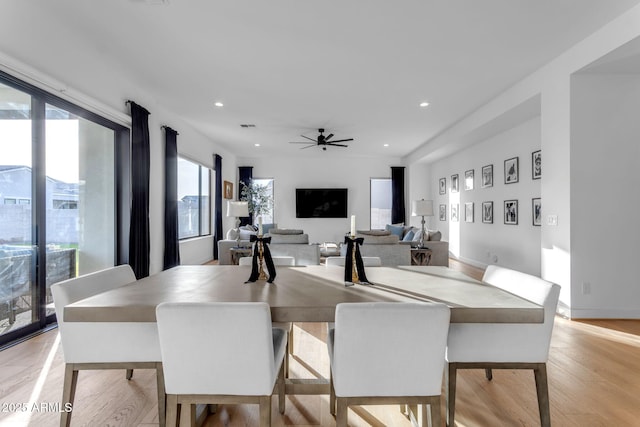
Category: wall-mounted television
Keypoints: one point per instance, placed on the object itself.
(321, 202)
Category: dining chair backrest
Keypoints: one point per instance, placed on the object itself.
(218, 348)
(86, 342)
(508, 342)
(368, 261)
(389, 349)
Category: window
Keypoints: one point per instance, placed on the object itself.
(380, 203)
(267, 218)
(64, 170)
(194, 207)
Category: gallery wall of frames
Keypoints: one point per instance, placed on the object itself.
(488, 201)
(510, 211)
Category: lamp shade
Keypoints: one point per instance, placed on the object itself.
(422, 208)
(237, 209)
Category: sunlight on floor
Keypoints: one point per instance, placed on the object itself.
(607, 333)
(23, 418)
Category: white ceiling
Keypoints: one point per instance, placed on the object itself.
(358, 68)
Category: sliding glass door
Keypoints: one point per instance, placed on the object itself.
(17, 261)
(60, 195)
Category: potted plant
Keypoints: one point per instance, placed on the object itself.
(258, 198)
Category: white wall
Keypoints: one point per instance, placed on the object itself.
(512, 246)
(317, 171)
(605, 194)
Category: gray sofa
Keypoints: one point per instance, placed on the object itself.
(393, 251)
(283, 243)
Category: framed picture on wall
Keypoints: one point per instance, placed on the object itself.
(443, 212)
(487, 176)
(536, 164)
(511, 212)
(443, 185)
(468, 212)
(468, 180)
(454, 212)
(455, 185)
(511, 171)
(487, 212)
(228, 190)
(536, 211)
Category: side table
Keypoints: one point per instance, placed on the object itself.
(237, 253)
(420, 256)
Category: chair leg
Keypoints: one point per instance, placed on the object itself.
(191, 422)
(265, 411)
(281, 388)
(436, 415)
(450, 395)
(332, 396)
(162, 400)
(68, 393)
(341, 412)
(129, 374)
(424, 416)
(542, 389)
(172, 410)
(488, 373)
(290, 341)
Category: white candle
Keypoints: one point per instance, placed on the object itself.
(353, 225)
(260, 226)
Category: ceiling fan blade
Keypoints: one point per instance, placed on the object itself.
(328, 137)
(298, 142)
(337, 145)
(341, 140)
(308, 146)
(310, 139)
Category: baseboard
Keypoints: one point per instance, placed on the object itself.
(606, 313)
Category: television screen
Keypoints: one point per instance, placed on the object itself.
(321, 202)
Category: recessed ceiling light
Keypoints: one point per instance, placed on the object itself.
(219, 104)
(256, 145)
(424, 104)
(385, 145)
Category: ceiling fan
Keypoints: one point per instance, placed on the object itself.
(322, 141)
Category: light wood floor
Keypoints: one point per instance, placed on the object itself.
(594, 381)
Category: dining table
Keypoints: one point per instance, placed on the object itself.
(306, 294)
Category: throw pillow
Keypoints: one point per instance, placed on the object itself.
(435, 236)
(395, 229)
(409, 236)
(416, 236)
(246, 234)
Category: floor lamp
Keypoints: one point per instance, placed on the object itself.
(236, 209)
(422, 208)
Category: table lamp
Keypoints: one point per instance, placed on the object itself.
(236, 209)
(422, 208)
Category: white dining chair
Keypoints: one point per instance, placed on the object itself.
(277, 260)
(220, 353)
(103, 345)
(506, 345)
(368, 261)
(385, 353)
